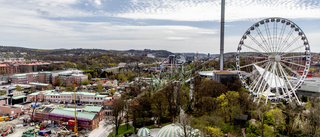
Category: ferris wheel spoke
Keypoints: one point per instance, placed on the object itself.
(284, 78)
(283, 42)
(264, 40)
(281, 36)
(292, 88)
(281, 83)
(254, 81)
(265, 83)
(253, 64)
(260, 52)
(275, 33)
(268, 35)
(262, 82)
(271, 74)
(293, 63)
(290, 44)
(295, 72)
(297, 48)
(258, 43)
(260, 77)
(257, 57)
(290, 57)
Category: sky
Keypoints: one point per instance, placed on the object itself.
(173, 25)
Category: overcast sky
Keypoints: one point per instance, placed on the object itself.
(174, 25)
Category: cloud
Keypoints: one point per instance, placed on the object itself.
(177, 38)
(175, 25)
(209, 10)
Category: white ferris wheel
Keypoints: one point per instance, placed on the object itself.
(275, 53)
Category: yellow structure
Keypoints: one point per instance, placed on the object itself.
(75, 112)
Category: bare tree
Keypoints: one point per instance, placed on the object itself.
(118, 112)
(185, 125)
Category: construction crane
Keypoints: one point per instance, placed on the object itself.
(75, 112)
(34, 107)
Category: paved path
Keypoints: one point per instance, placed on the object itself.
(102, 131)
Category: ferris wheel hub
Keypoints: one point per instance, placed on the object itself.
(274, 58)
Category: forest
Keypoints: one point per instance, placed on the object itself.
(217, 109)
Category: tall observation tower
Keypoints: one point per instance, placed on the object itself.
(222, 33)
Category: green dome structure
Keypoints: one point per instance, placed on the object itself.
(143, 132)
(171, 130)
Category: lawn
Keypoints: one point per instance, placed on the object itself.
(122, 131)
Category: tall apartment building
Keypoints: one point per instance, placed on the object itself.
(69, 77)
(17, 67)
(24, 78)
(45, 77)
(5, 68)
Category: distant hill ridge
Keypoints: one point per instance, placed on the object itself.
(12, 51)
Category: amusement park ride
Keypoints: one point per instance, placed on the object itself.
(276, 53)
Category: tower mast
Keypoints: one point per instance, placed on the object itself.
(222, 33)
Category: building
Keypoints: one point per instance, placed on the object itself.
(39, 86)
(86, 120)
(222, 76)
(68, 97)
(25, 78)
(9, 109)
(69, 77)
(95, 109)
(44, 77)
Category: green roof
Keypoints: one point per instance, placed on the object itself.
(35, 93)
(40, 84)
(92, 109)
(66, 93)
(47, 91)
(87, 93)
(19, 96)
(84, 115)
(103, 96)
(19, 76)
(54, 93)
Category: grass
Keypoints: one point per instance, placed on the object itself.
(122, 131)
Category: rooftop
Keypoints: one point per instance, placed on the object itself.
(92, 109)
(19, 96)
(84, 115)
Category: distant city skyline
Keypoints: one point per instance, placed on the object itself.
(173, 25)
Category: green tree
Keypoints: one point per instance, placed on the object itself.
(229, 105)
(276, 118)
(89, 76)
(99, 87)
(122, 77)
(214, 132)
(49, 87)
(3, 92)
(85, 82)
(18, 88)
(95, 75)
(158, 106)
(58, 82)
